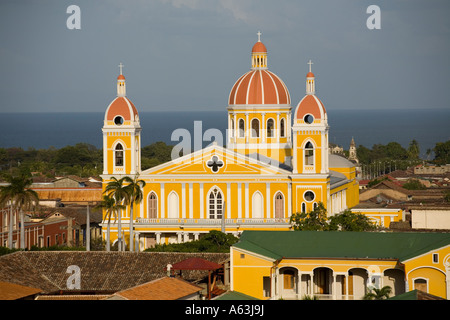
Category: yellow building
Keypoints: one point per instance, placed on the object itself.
(339, 265)
(276, 163)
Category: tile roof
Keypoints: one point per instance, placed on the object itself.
(101, 272)
(335, 244)
(167, 288)
(11, 291)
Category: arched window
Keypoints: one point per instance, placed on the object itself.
(241, 128)
(309, 154)
(173, 205)
(270, 127)
(152, 206)
(257, 206)
(282, 128)
(215, 204)
(279, 206)
(255, 128)
(119, 155)
(303, 207)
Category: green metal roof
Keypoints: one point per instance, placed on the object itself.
(235, 295)
(335, 244)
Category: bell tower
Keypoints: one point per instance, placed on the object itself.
(121, 134)
(310, 132)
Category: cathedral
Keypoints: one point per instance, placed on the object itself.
(276, 163)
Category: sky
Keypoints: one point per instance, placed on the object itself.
(186, 55)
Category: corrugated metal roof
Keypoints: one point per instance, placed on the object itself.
(335, 244)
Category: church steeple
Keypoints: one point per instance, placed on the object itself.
(310, 81)
(121, 86)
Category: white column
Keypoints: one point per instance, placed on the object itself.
(105, 153)
(158, 237)
(202, 215)
(263, 127)
(268, 200)
(246, 201)
(163, 201)
(289, 199)
(183, 200)
(236, 128)
(294, 160)
(228, 203)
(247, 126)
(191, 200)
(277, 128)
(239, 200)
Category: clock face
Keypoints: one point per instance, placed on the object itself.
(118, 120)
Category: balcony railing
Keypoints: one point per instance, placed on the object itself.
(212, 222)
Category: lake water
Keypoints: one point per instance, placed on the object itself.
(368, 127)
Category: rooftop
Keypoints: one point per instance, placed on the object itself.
(331, 244)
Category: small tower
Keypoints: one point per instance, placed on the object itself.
(310, 132)
(121, 134)
(352, 152)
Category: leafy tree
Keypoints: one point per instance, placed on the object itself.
(414, 184)
(315, 220)
(18, 194)
(350, 221)
(378, 294)
(214, 241)
(442, 153)
(111, 208)
(413, 149)
(155, 154)
(117, 189)
(134, 189)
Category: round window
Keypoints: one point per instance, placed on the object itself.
(309, 196)
(118, 120)
(308, 119)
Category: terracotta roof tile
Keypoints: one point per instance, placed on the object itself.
(161, 289)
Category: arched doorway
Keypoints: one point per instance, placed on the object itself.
(323, 279)
(357, 283)
(288, 282)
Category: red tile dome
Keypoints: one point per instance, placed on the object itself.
(259, 86)
(310, 105)
(121, 106)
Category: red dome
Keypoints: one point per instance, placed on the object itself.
(259, 86)
(259, 47)
(121, 106)
(120, 77)
(310, 75)
(312, 105)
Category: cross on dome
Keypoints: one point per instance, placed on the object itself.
(259, 36)
(120, 67)
(310, 63)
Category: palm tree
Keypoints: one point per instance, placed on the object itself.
(111, 209)
(120, 193)
(134, 188)
(20, 197)
(378, 294)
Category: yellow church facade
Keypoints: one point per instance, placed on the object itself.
(276, 162)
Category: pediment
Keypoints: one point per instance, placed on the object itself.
(216, 160)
